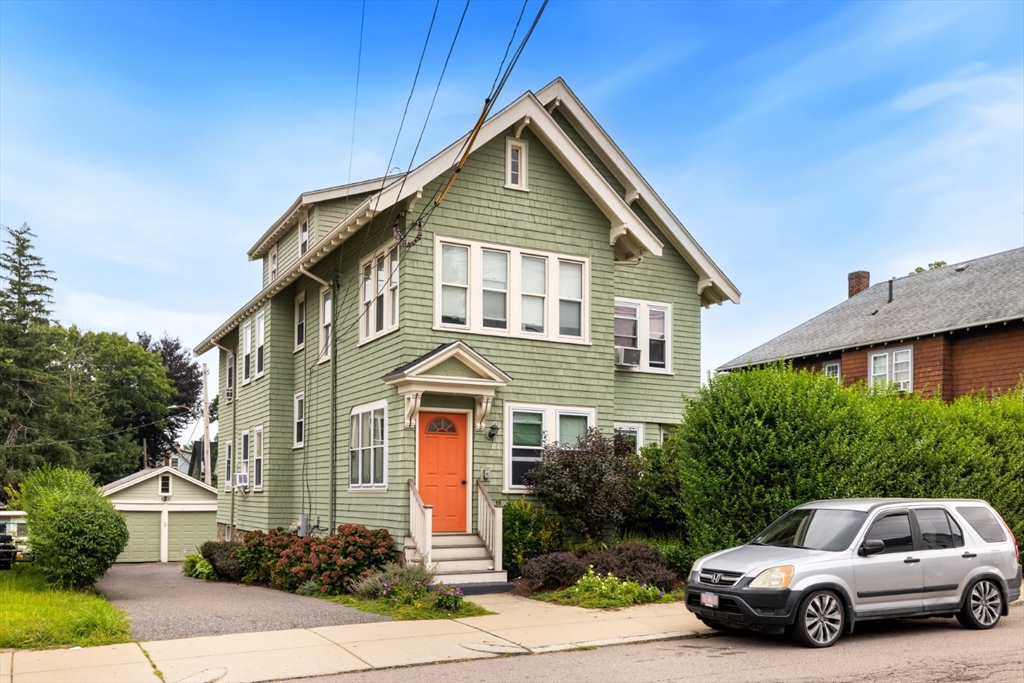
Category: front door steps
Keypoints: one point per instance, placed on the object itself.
(462, 559)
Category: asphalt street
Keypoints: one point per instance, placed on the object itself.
(932, 650)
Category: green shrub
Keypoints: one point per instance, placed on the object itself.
(196, 566)
(527, 531)
(76, 534)
(221, 556)
(309, 588)
(554, 570)
(447, 598)
(392, 580)
(658, 489)
(588, 484)
(596, 591)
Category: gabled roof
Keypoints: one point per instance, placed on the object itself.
(984, 291)
(143, 475)
(484, 369)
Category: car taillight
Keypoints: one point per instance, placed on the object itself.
(1016, 551)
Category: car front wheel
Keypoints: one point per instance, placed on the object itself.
(983, 606)
(820, 619)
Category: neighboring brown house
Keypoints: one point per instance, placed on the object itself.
(955, 329)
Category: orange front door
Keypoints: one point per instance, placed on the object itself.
(443, 468)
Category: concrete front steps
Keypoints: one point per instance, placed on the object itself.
(462, 559)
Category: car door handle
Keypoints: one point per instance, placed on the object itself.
(968, 556)
(911, 560)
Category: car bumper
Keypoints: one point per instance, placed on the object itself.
(762, 610)
(1013, 587)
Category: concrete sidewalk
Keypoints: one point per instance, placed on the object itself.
(520, 626)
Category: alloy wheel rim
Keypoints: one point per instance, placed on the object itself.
(823, 618)
(985, 603)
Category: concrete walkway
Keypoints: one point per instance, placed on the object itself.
(520, 626)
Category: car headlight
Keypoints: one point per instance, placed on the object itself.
(776, 577)
(693, 575)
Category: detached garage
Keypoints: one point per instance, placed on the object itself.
(168, 513)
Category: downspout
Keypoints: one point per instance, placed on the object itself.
(334, 400)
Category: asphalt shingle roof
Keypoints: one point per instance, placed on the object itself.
(979, 292)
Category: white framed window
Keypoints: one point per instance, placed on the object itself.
(379, 295)
(516, 175)
(368, 446)
(647, 327)
(299, 433)
(175, 461)
(832, 369)
(230, 393)
(243, 467)
(300, 321)
(666, 432)
(229, 457)
(632, 432)
(303, 236)
(247, 352)
(510, 291)
(257, 460)
(533, 426)
(272, 264)
(260, 338)
(165, 484)
(892, 365)
(326, 316)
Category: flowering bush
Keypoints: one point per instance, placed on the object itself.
(393, 581)
(447, 598)
(596, 590)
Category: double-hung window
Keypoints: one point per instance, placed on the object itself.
(532, 427)
(892, 365)
(379, 295)
(633, 435)
(247, 352)
(368, 446)
(832, 369)
(257, 460)
(260, 332)
(326, 315)
(300, 321)
(515, 164)
(228, 466)
(230, 394)
(165, 484)
(300, 421)
(272, 264)
(243, 469)
(645, 326)
(509, 291)
(303, 236)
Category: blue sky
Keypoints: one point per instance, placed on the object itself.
(150, 144)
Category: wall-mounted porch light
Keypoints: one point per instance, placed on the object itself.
(492, 432)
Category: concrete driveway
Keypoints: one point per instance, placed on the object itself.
(164, 604)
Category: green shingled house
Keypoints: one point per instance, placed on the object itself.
(410, 383)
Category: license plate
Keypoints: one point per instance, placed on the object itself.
(709, 600)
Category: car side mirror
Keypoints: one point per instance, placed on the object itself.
(871, 546)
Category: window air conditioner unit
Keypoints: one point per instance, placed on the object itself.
(242, 479)
(627, 357)
(229, 394)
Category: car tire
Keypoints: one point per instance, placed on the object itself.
(983, 606)
(820, 619)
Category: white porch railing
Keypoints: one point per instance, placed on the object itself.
(421, 523)
(489, 523)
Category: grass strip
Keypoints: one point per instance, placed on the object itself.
(37, 617)
(415, 611)
(594, 601)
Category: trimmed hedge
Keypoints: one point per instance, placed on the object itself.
(221, 556)
(554, 570)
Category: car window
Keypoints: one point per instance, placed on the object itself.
(984, 523)
(935, 530)
(958, 535)
(894, 532)
(831, 530)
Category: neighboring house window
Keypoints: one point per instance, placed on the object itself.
(244, 465)
(368, 446)
(272, 267)
(645, 326)
(175, 461)
(247, 355)
(304, 236)
(300, 321)
(511, 291)
(831, 369)
(894, 365)
(231, 377)
(228, 466)
(257, 461)
(632, 433)
(300, 404)
(165, 484)
(380, 295)
(515, 164)
(260, 331)
(326, 315)
(532, 427)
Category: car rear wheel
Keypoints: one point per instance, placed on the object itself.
(983, 606)
(820, 620)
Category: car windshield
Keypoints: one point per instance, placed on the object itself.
(813, 529)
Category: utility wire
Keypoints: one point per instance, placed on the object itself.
(355, 105)
(36, 444)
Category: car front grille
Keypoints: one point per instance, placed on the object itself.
(713, 577)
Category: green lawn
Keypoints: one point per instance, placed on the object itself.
(36, 617)
(420, 609)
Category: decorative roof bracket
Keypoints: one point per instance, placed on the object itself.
(523, 123)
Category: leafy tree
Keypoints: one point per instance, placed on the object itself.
(931, 266)
(187, 378)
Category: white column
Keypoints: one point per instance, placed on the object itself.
(163, 533)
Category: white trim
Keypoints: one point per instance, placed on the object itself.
(381, 404)
(297, 417)
(243, 461)
(121, 485)
(160, 486)
(388, 294)
(469, 456)
(164, 541)
(324, 325)
(474, 295)
(261, 343)
(890, 354)
(247, 360)
(230, 377)
(524, 153)
(300, 299)
(839, 370)
(550, 424)
(273, 266)
(303, 232)
(638, 427)
(176, 507)
(229, 465)
(259, 450)
(644, 334)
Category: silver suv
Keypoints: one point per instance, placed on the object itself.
(825, 565)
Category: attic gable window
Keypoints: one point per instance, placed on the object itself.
(516, 164)
(165, 484)
(272, 268)
(303, 236)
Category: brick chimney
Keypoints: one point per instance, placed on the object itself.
(858, 281)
